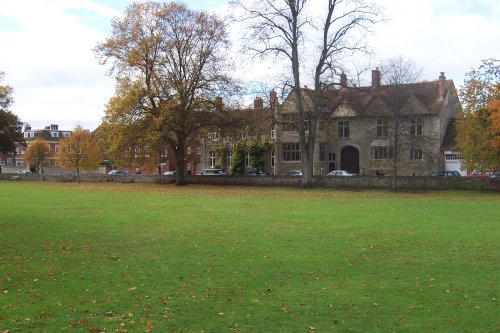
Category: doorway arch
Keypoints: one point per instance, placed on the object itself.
(349, 159)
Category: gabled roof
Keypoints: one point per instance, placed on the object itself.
(422, 98)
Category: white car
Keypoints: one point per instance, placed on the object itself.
(24, 172)
(293, 173)
(169, 173)
(341, 173)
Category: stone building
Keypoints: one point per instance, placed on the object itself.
(358, 126)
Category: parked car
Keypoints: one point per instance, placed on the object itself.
(478, 175)
(118, 172)
(446, 174)
(257, 173)
(495, 175)
(24, 172)
(293, 173)
(213, 172)
(341, 173)
(169, 173)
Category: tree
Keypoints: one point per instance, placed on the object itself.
(79, 151)
(170, 63)
(37, 153)
(398, 74)
(284, 29)
(478, 131)
(10, 125)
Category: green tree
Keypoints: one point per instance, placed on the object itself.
(478, 130)
(79, 151)
(170, 63)
(38, 151)
(10, 125)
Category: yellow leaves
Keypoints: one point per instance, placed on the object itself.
(149, 325)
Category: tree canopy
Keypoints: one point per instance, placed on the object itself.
(38, 151)
(79, 151)
(479, 129)
(170, 63)
(10, 125)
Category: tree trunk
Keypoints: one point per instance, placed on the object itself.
(307, 174)
(78, 174)
(180, 179)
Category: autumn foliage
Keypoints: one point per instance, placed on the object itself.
(479, 129)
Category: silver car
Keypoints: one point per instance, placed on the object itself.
(341, 173)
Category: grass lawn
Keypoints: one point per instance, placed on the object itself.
(151, 258)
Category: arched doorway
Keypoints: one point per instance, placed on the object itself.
(349, 159)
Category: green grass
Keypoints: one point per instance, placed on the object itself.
(138, 258)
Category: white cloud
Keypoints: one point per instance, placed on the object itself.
(47, 49)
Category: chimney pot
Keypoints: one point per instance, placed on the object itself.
(375, 78)
(273, 98)
(343, 80)
(442, 85)
(258, 103)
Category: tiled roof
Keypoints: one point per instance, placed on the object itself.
(373, 102)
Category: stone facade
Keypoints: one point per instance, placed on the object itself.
(357, 128)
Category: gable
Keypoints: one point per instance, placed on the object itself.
(344, 111)
(413, 106)
(377, 108)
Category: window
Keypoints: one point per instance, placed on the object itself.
(322, 151)
(382, 127)
(273, 133)
(212, 159)
(416, 126)
(247, 160)
(65, 134)
(382, 153)
(272, 158)
(164, 152)
(214, 136)
(452, 157)
(57, 149)
(343, 129)
(198, 151)
(137, 152)
(416, 154)
(229, 158)
(54, 134)
(289, 122)
(291, 151)
(188, 150)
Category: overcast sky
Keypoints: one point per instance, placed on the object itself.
(47, 55)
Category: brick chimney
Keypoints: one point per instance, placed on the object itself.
(273, 99)
(343, 80)
(375, 78)
(442, 85)
(258, 103)
(218, 103)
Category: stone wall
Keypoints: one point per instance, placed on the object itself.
(404, 183)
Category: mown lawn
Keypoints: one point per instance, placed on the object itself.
(139, 258)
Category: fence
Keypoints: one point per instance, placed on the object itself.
(404, 183)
